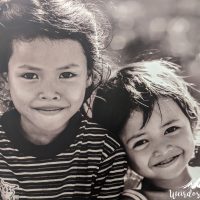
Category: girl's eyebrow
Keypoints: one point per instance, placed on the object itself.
(170, 122)
(29, 67)
(135, 136)
(68, 66)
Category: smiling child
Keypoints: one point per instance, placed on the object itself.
(157, 126)
(50, 58)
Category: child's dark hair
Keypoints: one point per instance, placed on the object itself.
(137, 87)
(56, 19)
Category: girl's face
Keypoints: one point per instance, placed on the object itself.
(47, 81)
(163, 147)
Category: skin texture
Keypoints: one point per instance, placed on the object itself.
(161, 150)
(47, 81)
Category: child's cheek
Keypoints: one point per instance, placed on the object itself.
(138, 158)
(185, 141)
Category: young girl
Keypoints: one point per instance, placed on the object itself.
(51, 59)
(156, 119)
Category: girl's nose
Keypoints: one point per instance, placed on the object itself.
(49, 96)
(49, 91)
(162, 149)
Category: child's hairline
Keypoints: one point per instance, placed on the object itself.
(51, 39)
(145, 121)
(45, 27)
(179, 101)
(156, 101)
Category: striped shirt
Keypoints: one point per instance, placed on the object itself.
(84, 162)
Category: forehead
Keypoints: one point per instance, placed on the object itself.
(165, 109)
(42, 51)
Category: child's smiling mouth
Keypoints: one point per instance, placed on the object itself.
(163, 161)
(167, 162)
(49, 110)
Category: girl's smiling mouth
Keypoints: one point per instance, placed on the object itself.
(167, 162)
(49, 110)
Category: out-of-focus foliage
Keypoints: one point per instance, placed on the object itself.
(174, 24)
(171, 26)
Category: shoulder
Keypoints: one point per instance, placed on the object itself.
(93, 132)
(4, 139)
(94, 129)
(2, 131)
(8, 119)
(9, 123)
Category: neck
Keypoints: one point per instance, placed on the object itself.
(38, 136)
(163, 184)
(39, 139)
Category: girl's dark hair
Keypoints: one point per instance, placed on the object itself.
(138, 87)
(78, 20)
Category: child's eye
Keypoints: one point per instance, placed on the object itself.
(30, 76)
(141, 144)
(171, 129)
(66, 75)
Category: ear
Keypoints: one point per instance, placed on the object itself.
(89, 81)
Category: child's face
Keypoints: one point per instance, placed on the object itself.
(162, 149)
(47, 81)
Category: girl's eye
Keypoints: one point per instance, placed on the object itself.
(30, 76)
(141, 144)
(66, 75)
(171, 129)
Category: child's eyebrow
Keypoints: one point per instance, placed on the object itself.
(170, 122)
(135, 136)
(68, 66)
(29, 67)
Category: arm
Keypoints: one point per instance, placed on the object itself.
(109, 182)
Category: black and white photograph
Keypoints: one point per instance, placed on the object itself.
(99, 99)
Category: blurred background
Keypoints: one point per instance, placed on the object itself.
(169, 25)
(159, 28)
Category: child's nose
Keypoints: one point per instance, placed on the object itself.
(49, 96)
(162, 149)
(49, 91)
